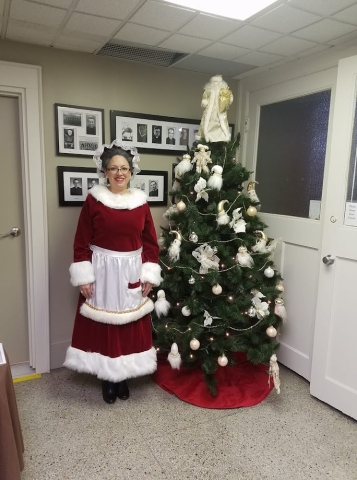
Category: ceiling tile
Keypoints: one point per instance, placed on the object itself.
(250, 37)
(139, 34)
(184, 44)
(345, 38)
(322, 7)
(71, 42)
(223, 51)
(53, 3)
(349, 15)
(211, 66)
(116, 9)
(29, 32)
(154, 14)
(206, 26)
(288, 46)
(285, 19)
(87, 23)
(312, 51)
(36, 13)
(258, 59)
(324, 31)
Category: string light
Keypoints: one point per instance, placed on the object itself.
(211, 339)
(227, 334)
(166, 326)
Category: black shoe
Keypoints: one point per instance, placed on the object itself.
(122, 390)
(109, 391)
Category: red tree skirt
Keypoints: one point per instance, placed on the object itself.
(243, 385)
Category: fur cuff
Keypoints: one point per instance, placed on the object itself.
(117, 318)
(111, 369)
(151, 272)
(81, 273)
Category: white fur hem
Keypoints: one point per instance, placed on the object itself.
(111, 369)
(81, 273)
(117, 318)
(151, 272)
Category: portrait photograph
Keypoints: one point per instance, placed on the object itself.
(91, 182)
(142, 133)
(91, 125)
(170, 139)
(154, 183)
(74, 184)
(127, 132)
(184, 136)
(68, 138)
(156, 136)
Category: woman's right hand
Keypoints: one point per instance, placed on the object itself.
(86, 290)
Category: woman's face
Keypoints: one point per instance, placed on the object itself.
(118, 174)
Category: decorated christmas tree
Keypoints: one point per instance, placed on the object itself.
(221, 293)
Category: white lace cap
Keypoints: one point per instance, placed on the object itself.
(133, 151)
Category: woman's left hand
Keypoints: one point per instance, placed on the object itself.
(146, 288)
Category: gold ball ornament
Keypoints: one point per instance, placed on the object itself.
(181, 206)
(279, 287)
(217, 289)
(279, 301)
(271, 331)
(251, 211)
(222, 360)
(194, 344)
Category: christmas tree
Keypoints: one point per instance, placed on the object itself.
(220, 292)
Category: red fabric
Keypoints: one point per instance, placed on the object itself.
(123, 231)
(243, 385)
(115, 229)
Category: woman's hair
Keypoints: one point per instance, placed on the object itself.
(109, 153)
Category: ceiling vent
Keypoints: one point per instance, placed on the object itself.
(162, 58)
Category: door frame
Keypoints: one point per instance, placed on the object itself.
(25, 82)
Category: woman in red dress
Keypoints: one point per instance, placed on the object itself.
(115, 267)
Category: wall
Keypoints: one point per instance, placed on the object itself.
(85, 80)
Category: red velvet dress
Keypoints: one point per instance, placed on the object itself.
(116, 343)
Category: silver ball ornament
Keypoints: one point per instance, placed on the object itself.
(191, 280)
(193, 237)
(269, 272)
(194, 344)
(271, 331)
(222, 360)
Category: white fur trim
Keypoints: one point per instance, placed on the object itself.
(151, 272)
(117, 318)
(111, 369)
(132, 199)
(81, 273)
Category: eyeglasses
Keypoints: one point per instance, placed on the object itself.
(118, 169)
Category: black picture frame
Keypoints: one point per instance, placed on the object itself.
(79, 130)
(66, 177)
(145, 180)
(127, 127)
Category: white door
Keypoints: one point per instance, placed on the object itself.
(13, 316)
(334, 365)
(294, 218)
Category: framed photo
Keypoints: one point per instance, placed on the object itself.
(153, 134)
(79, 130)
(74, 183)
(154, 184)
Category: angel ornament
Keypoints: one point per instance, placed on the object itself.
(216, 181)
(184, 166)
(202, 158)
(217, 98)
(207, 257)
(238, 223)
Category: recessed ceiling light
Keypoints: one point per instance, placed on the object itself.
(238, 9)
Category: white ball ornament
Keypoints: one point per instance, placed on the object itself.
(222, 360)
(217, 289)
(194, 344)
(251, 211)
(271, 332)
(193, 237)
(186, 311)
(191, 280)
(181, 206)
(269, 272)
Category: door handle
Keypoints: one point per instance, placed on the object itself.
(328, 260)
(14, 232)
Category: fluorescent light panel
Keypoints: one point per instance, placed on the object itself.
(238, 9)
